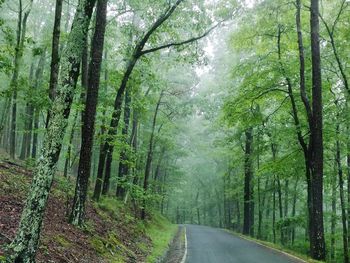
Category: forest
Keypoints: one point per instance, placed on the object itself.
(126, 126)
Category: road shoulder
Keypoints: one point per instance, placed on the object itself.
(298, 258)
(177, 249)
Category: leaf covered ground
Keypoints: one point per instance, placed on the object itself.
(111, 233)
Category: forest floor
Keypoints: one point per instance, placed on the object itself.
(111, 234)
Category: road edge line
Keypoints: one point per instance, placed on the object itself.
(266, 246)
(272, 248)
(185, 254)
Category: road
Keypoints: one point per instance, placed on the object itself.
(210, 245)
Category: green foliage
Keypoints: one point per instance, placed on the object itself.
(161, 232)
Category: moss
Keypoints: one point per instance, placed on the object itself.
(110, 205)
(89, 226)
(111, 248)
(17, 185)
(61, 240)
(161, 232)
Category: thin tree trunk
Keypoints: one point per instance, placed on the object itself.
(55, 58)
(295, 195)
(28, 122)
(342, 198)
(247, 224)
(123, 157)
(149, 158)
(279, 192)
(274, 211)
(35, 133)
(334, 213)
(67, 163)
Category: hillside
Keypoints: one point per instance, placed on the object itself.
(111, 232)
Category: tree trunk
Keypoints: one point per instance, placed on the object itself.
(318, 249)
(20, 40)
(55, 58)
(28, 122)
(35, 133)
(279, 192)
(248, 174)
(274, 210)
(24, 246)
(342, 198)
(295, 194)
(334, 213)
(81, 188)
(67, 163)
(123, 158)
(149, 157)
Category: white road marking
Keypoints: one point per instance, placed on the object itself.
(185, 254)
(272, 248)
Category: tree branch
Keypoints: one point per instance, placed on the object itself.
(190, 40)
(168, 12)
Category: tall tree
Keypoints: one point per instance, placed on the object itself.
(81, 188)
(318, 247)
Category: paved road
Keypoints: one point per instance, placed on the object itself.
(210, 245)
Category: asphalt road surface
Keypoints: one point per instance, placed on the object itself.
(210, 245)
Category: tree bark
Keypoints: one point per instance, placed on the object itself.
(55, 57)
(81, 188)
(318, 249)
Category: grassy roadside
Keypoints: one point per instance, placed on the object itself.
(161, 232)
(278, 247)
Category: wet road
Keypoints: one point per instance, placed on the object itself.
(210, 245)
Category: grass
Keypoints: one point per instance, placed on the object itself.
(161, 232)
(110, 247)
(277, 247)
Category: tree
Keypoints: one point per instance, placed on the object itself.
(105, 157)
(78, 208)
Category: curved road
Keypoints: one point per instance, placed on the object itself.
(210, 245)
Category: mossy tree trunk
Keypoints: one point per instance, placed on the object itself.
(24, 246)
